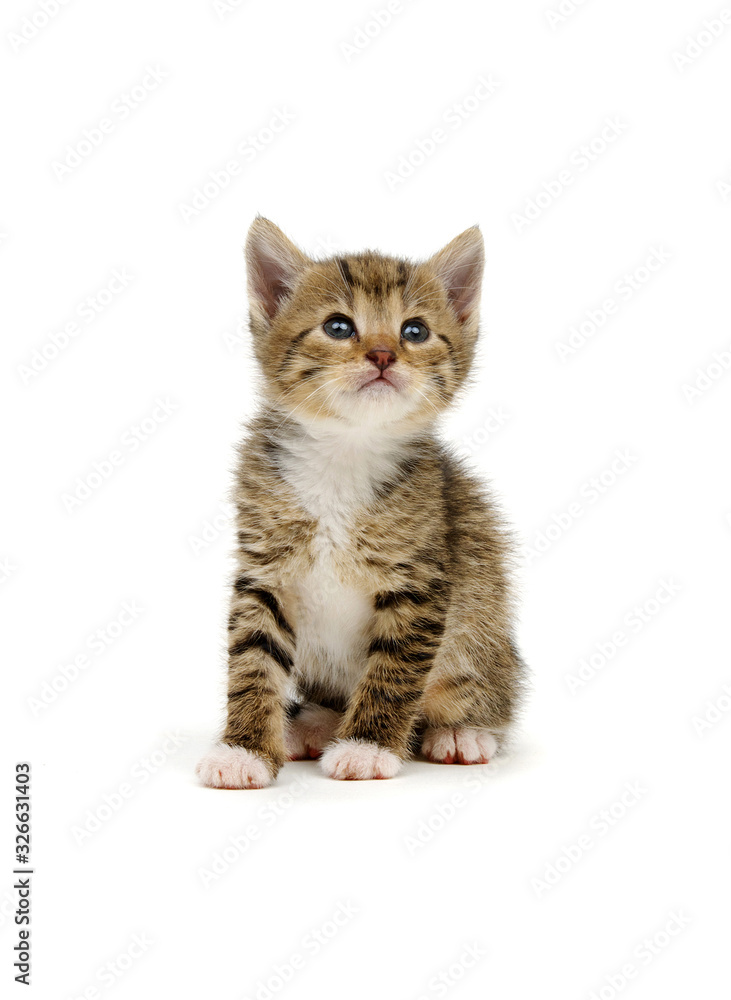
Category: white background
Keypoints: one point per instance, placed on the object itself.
(429, 874)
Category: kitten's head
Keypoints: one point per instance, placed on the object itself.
(362, 339)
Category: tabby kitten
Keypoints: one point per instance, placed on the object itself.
(370, 614)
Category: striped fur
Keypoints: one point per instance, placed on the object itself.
(371, 611)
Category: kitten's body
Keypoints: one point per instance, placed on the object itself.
(370, 611)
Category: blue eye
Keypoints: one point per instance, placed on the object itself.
(339, 327)
(414, 331)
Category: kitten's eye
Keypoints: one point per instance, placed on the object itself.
(339, 327)
(415, 331)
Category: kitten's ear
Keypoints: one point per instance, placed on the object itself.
(459, 266)
(273, 265)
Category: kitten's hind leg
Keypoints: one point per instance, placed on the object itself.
(470, 700)
(307, 733)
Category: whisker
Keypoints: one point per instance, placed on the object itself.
(302, 403)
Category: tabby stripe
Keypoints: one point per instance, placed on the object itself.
(463, 680)
(260, 640)
(446, 340)
(244, 585)
(261, 558)
(387, 696)
(418, 632)
(430, 626)
(251, 690)
(347, 274)
(403, 650)
(248, 673)
(292, 347)
(392, 598)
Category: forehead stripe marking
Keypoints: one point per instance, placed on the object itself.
(345, 268)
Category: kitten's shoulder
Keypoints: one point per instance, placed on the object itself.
(464, 487)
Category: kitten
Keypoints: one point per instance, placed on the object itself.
(371, 612)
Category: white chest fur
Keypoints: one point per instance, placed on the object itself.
(334, 476)
(334, 473)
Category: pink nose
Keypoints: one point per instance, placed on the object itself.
(381, 357)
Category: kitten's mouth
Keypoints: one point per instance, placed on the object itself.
(380, 382)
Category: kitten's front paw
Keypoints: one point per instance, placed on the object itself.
(355, 760)
(307, 734)
(225, 766)
(459, 746)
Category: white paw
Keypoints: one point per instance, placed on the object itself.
(309, 733)
(225, 766)
(355, 760)
(459, 746)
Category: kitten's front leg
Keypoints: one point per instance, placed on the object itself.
(373, 738)
(261, 650)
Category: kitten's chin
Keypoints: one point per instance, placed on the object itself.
(379, 402)
(366, 403)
